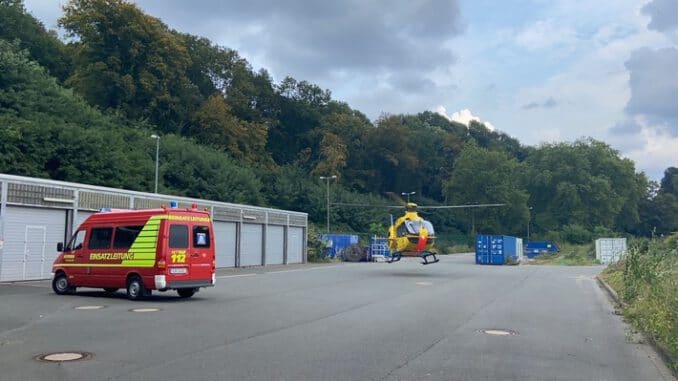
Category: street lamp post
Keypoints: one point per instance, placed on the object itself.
(408, 194)
(328, 178)
(157, 153)
(529, 217)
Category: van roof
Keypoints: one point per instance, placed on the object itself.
(129, 214)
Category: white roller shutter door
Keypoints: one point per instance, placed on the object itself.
(31, 236)
(251, 244)
(275, 241)
(224, 239)
(80, 218)
(295, 244)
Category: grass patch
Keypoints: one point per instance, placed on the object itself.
(569, 255)
(456, 249)
(647, 283)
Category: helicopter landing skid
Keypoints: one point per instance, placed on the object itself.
(394, 258)
(425, 256)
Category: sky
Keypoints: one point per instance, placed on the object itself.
(542, 71)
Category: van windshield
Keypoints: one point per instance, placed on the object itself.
(76, 242)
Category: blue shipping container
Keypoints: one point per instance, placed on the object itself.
(534, 248)
(335, 243)
(497, 249)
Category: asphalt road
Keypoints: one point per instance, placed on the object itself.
(367, 321)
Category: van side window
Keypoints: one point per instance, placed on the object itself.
(201, 236)
(178, 237)
(125, 236)
(100, 238)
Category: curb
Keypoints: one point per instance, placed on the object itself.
(663, 352)
(613, 294)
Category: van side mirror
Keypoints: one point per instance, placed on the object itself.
(60, 247)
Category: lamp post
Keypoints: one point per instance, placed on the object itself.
(157, 153)
(529, 217)
(408, 194)
(328, 178)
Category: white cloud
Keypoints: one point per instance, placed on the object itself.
(655, 150)
(464, 117)
(546, 34)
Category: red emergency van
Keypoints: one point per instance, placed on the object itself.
(139, 250)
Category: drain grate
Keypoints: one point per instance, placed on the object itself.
(498, 332)
(64, 356)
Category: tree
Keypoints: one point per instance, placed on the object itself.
(583, 183)
(47, 131)
(213, 124)
(126, 60)
(333, 154)
(659, 208)
(192, 170)
(482, 176)
(43, 46)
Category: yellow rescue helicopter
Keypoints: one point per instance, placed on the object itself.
(411, 235)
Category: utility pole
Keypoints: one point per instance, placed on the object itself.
(157, 154)
(328, 178)
(529, 217)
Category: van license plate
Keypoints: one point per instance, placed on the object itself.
(178, 270)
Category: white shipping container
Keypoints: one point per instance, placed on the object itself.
(610, 250)
(519, 249)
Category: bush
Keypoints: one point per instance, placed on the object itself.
(576, 234)
(315, 245)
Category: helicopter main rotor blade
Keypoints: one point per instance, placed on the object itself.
(460, 206)
(365, 205)
(418, 207)
(397, 198)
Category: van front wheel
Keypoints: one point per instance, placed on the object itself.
(135, 288)
(186, 292)
(60, 284)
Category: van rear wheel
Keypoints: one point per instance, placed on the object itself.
(135, 288)
(186, 292)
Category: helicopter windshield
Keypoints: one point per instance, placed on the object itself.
(413, 227)
(429, 228)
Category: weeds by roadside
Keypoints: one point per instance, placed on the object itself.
(647, 283)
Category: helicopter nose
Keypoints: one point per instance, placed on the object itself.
(422, 242)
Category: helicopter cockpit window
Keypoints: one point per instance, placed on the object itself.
(402, 230)
(413, 227)
(429, 228)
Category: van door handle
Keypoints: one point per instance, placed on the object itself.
(195, 255)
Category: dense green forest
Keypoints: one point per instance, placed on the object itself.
(83, 108)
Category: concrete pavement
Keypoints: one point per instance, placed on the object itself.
(365, 321)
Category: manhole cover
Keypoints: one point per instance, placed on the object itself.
(145, 309)
(498, 332)
(64, 356)
(424, 284)
(89, 307)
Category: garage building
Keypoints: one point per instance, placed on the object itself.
(36, 214)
